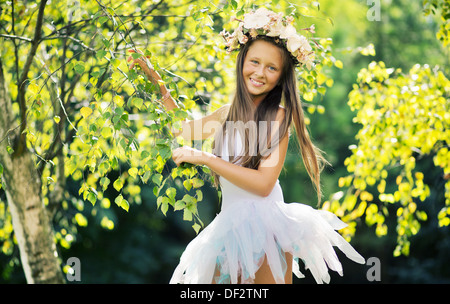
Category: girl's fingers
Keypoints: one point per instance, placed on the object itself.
(176, 160)
(177, 156)
(135, 51)
(138, 61)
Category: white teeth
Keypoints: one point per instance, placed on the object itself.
(256, 82)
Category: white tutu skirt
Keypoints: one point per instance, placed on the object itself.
(235, 243)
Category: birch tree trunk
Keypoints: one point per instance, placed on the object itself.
(21, 182)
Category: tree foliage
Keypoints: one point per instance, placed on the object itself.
(404, 117)
(441, 8)
(89, 121)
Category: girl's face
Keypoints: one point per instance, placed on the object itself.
(262, 69)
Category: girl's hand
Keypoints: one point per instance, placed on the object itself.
(188, 155)
(153, 76)
(142, 61)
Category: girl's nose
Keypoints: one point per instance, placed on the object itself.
(259, 71)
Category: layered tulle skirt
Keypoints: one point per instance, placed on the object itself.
(234, 245)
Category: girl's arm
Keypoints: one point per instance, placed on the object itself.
(204, 127)
(258, 181)
(197, 129)
(155, 78)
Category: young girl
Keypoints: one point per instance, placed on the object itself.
(257, 238)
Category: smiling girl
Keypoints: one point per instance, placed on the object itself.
(257, 237)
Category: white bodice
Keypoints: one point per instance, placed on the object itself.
(232, 193)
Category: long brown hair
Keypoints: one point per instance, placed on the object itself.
(243, 110)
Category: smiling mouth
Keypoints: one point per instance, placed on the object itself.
(256, 83)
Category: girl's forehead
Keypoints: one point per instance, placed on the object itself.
(265, 50)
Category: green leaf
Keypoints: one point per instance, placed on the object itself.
(121, 202)
(118, 184)
(103, 19)
(156, 191)
(103, 168)
(106, 42)
(125, 205)
(157, 178)
(189, 199)
(146, 176)
(104, 182)
(136, 55)
(165, 152)
(92, 198)
(197, 182)
(171, 192)
(187, 215)
(85, 111)
(164, 208)
(133, 172)
(196, 227)
(100, 54)
(106, 132)
(144, 154)
(115, 62)
(118, 199)
(339, 64)
(136, 102)
(79, 67)
(199, 195)
(179, 205)
(187, 184)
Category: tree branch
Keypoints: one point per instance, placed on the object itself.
(16, 37)
(16, 47)
(34, 43)
(20, 145)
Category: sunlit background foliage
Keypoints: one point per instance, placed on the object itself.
(377, 104)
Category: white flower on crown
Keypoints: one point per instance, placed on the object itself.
(288, 31)
(298, 42)
(276, 29)
(257, 19)
(240, 35)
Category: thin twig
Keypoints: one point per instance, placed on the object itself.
(16, 37)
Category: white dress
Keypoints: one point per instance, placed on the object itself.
(250, 227)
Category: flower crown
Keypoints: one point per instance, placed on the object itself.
(263, 22)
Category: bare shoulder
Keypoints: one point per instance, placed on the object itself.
(224, 109)
(221, 113)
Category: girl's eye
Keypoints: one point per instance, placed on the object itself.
(272, 69)
(254, 61)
